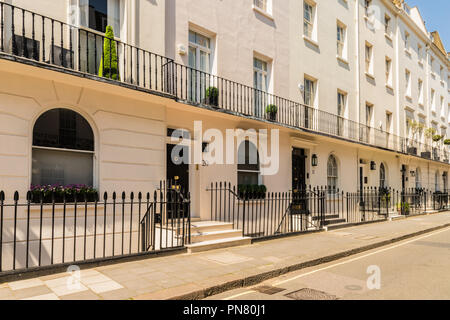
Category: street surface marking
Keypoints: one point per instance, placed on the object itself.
(344, 262)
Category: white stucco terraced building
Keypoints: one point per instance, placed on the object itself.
(351, 79)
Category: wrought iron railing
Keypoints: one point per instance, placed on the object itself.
(269, 214)
(51, 42)
(51, 230)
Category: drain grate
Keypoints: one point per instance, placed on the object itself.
(268, 290)
(310, 294)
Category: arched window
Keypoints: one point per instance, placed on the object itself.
(418, 178)
(437, 186)
(332, 173)
(383, 183)
(63, 149)
(248, 164)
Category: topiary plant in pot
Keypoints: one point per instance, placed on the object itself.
(212, 96)
(109, 63)
(271, 111)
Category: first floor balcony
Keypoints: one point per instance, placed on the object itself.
(42, 41)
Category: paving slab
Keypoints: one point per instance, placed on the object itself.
(199, 275)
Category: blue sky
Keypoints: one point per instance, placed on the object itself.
(436, 14)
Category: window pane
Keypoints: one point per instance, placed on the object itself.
(248, 158)
(61, 167)
(98, 14)
(204, 61)
(248, 178)
(63, 128)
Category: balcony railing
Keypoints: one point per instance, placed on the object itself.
(49, 42)
(29, 35)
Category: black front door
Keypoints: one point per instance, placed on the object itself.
(298, 170)
(177, 180)
(177, 169)
(300, 202)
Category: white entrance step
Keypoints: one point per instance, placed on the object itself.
(214, 235)
(218, 244)
(209, 235)
(209, 226)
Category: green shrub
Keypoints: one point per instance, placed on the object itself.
(271, 108)
(262, 189)
(109, 64)
(212, 96)
(447, 142)
(437, 138)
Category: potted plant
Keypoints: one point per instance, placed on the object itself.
(109, 64)
(262, 191)
(242, 191)
(403, 208)
(436, 139)
(59, 193)
(429, 133)
(385, 195)
(271, 111)
(415, 128)
(212, 96)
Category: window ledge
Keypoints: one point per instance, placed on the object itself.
(420, 63)
(341, 59)
(442, 83)
(262, 12)
(408, 97)
(389, 87)
(388, 36)
(421, 105)
(313, 42)
(408, 52)
(371, 76)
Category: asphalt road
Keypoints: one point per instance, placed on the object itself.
(418, 268)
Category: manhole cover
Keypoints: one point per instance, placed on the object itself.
(310, 294)
(268, 290)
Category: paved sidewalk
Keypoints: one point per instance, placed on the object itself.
(203, 274)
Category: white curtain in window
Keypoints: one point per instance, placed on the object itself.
(114, 16)
(61, 167)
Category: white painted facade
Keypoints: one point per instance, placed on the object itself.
(130, 127)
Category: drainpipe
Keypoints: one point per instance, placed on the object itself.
(358, 84)
(358, 65)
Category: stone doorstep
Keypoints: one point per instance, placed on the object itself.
(218, 244)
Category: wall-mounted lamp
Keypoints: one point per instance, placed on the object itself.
(373, 165)
(412, 173)
(205, 146)
(181, 50)
(314, 160)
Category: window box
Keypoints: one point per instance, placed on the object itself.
(61, 194)
(252, 192)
